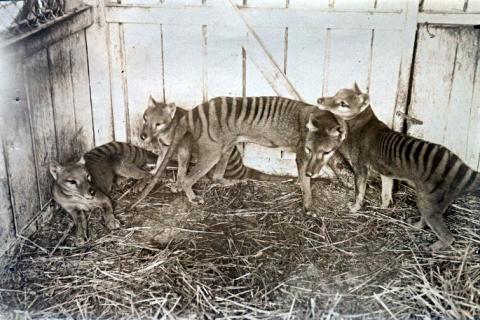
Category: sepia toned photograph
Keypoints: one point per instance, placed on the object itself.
(239, 159)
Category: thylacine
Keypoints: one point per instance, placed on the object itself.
(438, 175)
(158, 130)
(86, 185)
(218, 125)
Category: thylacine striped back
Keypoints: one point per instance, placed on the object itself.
(120, 150)
(431, 165)
(86, 184)
(218, 125)
(238, 114)
(161, 119)
(438, 175)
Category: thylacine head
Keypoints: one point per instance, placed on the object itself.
(324, 136)
(346, 103)
(157, 120)
(73, 180)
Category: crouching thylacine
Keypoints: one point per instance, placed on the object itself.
(438, 175)
(84, 186)
(219, 124)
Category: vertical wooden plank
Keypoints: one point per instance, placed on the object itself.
(143, 71)
(41, 114)
(354, 5)
(305, 64)
(117, 74)
(224, 62)
(98, 66)
(308, 4)
(390, 5)
(81, 91)
(274, 41)
(473, 6)
(7, 224)
(267, 3)
(384, 73)
(182, 47)
(443, 5)
(348, 60)
(62, 99)
(255, 156)
(457, 113)
(406, 47)
(432, 82)
(19, 154)
(473, 141)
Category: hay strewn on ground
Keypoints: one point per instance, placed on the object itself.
(248, 253)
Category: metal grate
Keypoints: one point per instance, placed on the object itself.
(17, 17)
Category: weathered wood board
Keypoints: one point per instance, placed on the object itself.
(7, 223)
(443, 94)
(37, 76)
(143, 72)
(63, 101)
(81, 91)
(18, 151)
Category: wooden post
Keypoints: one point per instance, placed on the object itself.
(98, 65)
(406, 63)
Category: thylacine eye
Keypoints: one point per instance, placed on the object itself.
(72, 182)
(308, 151)
(344, 104)
(158, 124)
(89, 178)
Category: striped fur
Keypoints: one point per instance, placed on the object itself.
(438, 175)
(85, 185)
(218, 125)
(157, 131)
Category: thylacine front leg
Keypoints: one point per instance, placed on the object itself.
(361, 175)
(387, 186)
(305, 184)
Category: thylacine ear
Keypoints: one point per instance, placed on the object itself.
(81, 160)
(171, 108)
(151, 102)
(55, 169)
(311, 126)
(365, 101)
(356, 88)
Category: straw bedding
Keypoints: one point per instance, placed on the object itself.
(249, 253)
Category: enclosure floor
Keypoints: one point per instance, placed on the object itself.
(248, 252)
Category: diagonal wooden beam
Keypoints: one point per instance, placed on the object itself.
(258, 53)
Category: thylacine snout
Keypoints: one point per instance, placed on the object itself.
(73, 180)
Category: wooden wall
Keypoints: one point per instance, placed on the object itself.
(46, 115)
(188, 63)
(82, 84)
(446, 90)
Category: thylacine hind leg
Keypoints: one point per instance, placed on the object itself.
(206, 160)
(184, 155)
(432, 211)
(130, 170)
(221, 166)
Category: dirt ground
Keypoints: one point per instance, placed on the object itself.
(249, 253)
